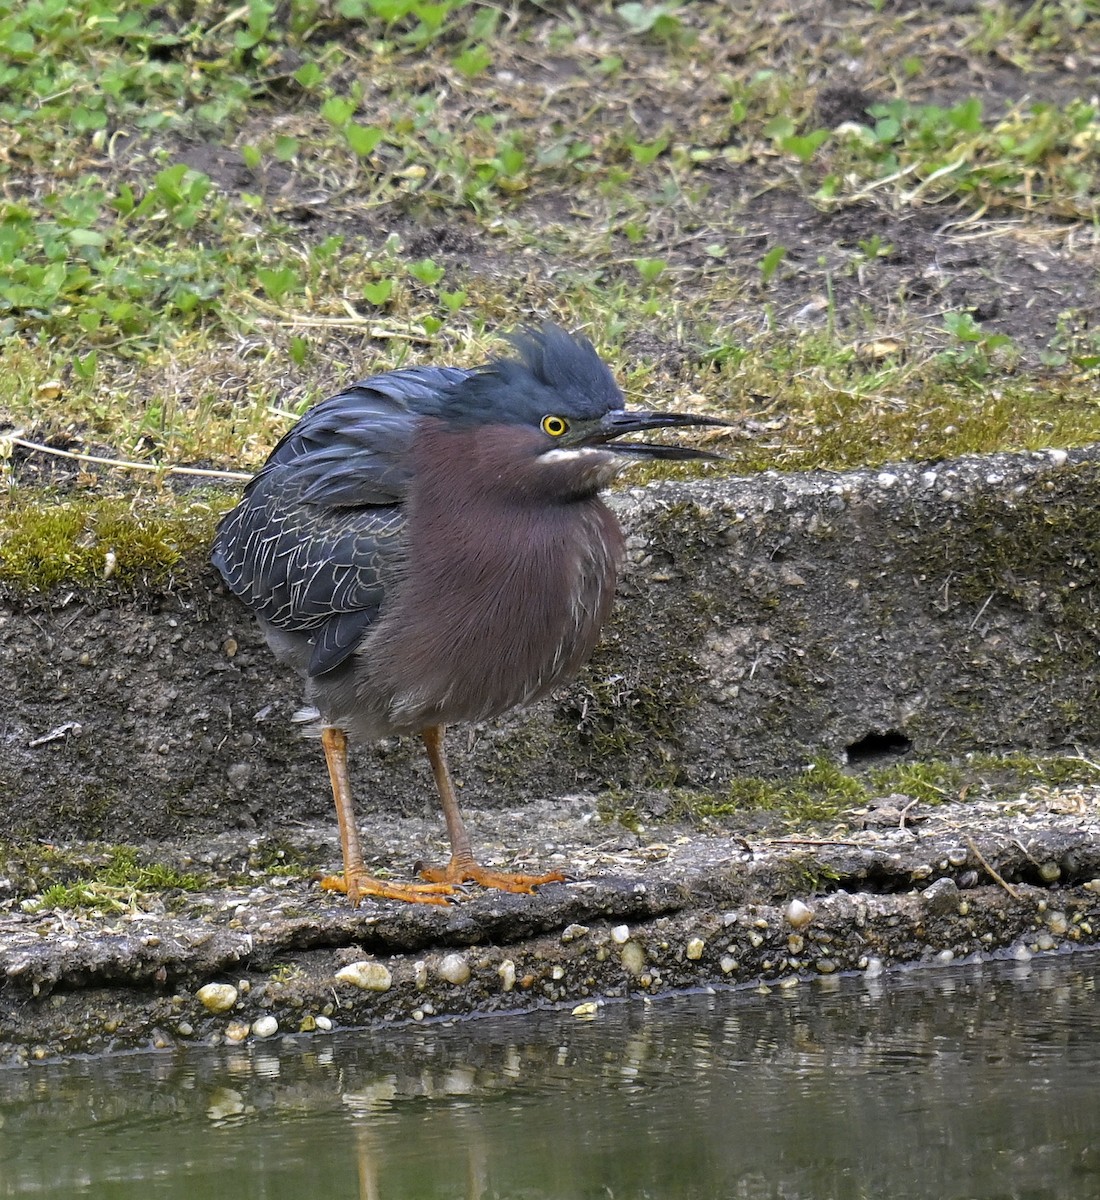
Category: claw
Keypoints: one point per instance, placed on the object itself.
(357, 884)
(459, 871)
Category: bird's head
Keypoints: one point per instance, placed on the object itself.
(558, 385)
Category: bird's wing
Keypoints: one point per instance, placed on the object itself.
(351, 449)
(314, 541)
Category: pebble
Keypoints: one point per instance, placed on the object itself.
(632, 958)
(695, 948)
(798, 914)
(728, 964)
(420, 974)
(265, 1027)
(874, 968)
(1021, 953)
(1057, 923)
(572, 932)
(507, 973)
(323, 1024)
(1057, 457)
(236, 1031)
(620, 935)
(455, 969)
(367, 976)
(1050, 871)
(957, 856)
(217, 997)
(588, 1009)
(941, 897)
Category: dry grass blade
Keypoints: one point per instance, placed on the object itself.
(125, 465)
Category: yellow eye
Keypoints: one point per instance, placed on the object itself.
(555, 426)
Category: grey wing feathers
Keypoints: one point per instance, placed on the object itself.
(317, 533)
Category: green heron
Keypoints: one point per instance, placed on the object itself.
(429, 547)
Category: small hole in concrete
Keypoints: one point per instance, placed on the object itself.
(876, 747)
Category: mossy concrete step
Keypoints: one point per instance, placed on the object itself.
(762, 622)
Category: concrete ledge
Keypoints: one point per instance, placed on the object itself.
(643, 917)
(762, 622)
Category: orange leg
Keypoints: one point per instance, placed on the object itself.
(463, 868)
(356, 881)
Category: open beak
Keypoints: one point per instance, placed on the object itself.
(621, 421)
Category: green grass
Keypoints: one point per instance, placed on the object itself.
(214, 216)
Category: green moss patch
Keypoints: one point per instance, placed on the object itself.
(113, 879)
(105, 543)
(827, 794)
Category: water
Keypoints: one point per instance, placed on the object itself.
(977, 1083)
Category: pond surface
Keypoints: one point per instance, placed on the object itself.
(976, 1083)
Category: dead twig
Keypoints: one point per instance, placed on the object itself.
(796, 841)
(993, 873)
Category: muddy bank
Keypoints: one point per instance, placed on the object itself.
(644, 913)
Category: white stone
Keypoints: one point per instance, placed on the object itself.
(632, 958)
(507, 973)
(695, 948)
(454, 969)
(798, 914)
(217, 997)
(367, 976)
(265, 1027)
(620, 935)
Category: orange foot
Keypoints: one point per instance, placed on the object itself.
(357, 884)
(466, 870)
